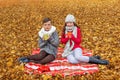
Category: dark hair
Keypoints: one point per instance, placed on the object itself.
(46, 20)
(65, 25)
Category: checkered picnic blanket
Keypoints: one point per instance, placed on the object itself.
(61, 66)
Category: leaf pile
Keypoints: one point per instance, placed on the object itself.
(20, 22)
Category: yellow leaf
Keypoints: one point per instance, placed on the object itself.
(46, 77)
(10, 63)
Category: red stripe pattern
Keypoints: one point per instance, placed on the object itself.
(61, 66)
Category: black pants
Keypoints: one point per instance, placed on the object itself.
(41, 58)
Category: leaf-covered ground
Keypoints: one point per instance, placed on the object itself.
(20, 22)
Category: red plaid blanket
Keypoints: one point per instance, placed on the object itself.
(61, 66)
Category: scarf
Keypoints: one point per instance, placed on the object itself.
(43, 32)
(68, 48)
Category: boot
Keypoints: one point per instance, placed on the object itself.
(98, 61)
(97, 56)
(23, 60)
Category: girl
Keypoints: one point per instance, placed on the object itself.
(71, 37)
(48, 43)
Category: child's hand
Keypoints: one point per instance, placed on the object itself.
(69, 35)
(46, 36)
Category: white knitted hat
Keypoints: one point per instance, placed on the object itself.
(70, 18)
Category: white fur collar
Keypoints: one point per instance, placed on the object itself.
(42, 31)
